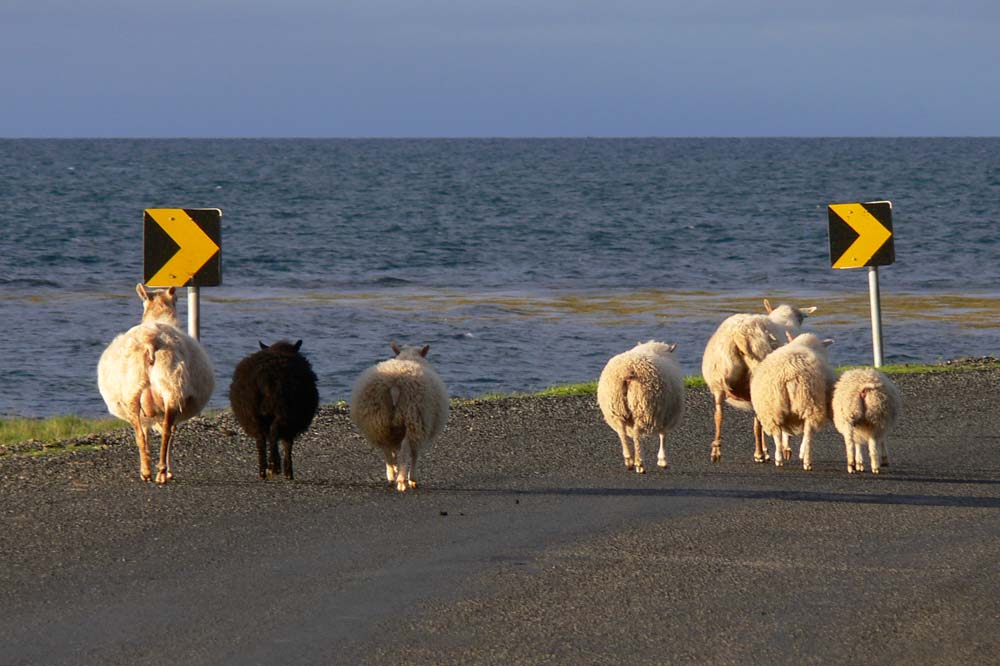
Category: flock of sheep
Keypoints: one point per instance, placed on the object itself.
(155, 376)
(790, 388)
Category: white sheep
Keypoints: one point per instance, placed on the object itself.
(734, 350)
(155, 376)
(865, 407)
(790, 392)
(641, 391)
(400, 406)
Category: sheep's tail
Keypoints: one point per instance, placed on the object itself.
(620, 405)
(859, 407)
(167, 378)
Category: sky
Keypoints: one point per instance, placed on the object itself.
(498, 68)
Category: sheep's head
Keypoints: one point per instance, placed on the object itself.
(407, 352)
(281, 347)
(658, 348)
(159, 305)
(787, 315)
(812, 341)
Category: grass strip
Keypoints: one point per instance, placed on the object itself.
(50, 431)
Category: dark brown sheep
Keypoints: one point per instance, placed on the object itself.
(274, 397)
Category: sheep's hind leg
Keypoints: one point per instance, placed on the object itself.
(849, 449)
(410, 475)
(286, 445)
(262, 457)
(142, 442)
(782, 451)
(163, 473)
(626, 450)
(805, 451)
(883, 449)
(274, 460)
(759, 443)
(873, 454)
(639, 468)
(390, 465)
(716, 454)
(661, 457)
(403, 459)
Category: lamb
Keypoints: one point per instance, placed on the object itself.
(273, 395)
(400, 406)
(155, 376)
(790, 391)
(734, 350)
(641, 391)
(865, 407)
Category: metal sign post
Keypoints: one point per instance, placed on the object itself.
(861, 235)
(876, 307)
(193, 313)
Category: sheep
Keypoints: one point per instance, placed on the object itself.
(400, 406)
(155, 376)
(273, 395)
(865, 407)
(734, 350)
(790, 393)
(641, 391)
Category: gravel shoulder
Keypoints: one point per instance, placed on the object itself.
(528, 543)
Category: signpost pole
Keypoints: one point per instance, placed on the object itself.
(876, 307)
(193, 314)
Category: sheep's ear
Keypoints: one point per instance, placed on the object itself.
(808, 311)
(788, 334)
(141, 290)
(395, 348)
(767, 306)
(672, 347)
(262, 345)
(298, 345)
(828, 342)
(171, 291)
(423, 352)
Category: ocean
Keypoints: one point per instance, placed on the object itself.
(522, 263)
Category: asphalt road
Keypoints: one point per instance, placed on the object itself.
(528, 543)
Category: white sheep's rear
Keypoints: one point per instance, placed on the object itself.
(866, 405)
(640, 392)
(790, 390)
(400, 406)
(155, 376)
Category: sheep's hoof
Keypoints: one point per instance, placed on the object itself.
(662, 464)
(162, 478)
(146, 476)
(850, 469)
(629, 465)
(807, 467)
(639, 469)
(875, 470)
(778, 462)
(716, 452)
(758, 458)
(413, 484)
(402, 486)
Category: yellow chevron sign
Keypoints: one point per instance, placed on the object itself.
(182, 247)
(861, 234)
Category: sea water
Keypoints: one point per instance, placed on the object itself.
(522, 263)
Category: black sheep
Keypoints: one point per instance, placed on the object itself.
(274, 396)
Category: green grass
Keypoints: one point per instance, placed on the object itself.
(14, 430)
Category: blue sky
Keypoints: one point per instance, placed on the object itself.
(432, 68)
